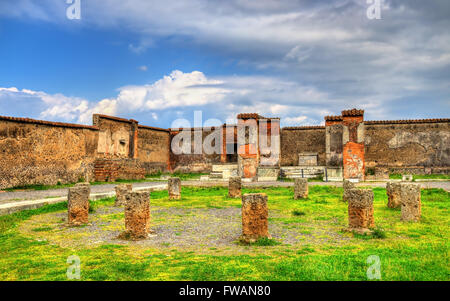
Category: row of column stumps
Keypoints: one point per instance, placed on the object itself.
(408, 197)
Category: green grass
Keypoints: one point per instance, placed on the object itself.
(182, 176)
(408, 251)
(421, 177)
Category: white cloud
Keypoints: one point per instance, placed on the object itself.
(143, 68)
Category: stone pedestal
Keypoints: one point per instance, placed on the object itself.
(234, 187)
(393, 192)
(410, 202)
(78, 204)
(174, 187)
(347, 185)
(255, 213)
(300, 188)
(360, 210)
(121, 191)
(137, 215)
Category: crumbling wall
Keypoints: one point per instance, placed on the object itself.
(296, 140)
(403, 144)
(153, 149)
(42, 152)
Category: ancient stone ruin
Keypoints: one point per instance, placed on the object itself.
(393, 191)
(78, 204)
(347, 185)
(137, 215)
(234, 187)
(360, 210)
(300, 188)
(410, 202)
(255, 224)
(121, 191)
(174, 188)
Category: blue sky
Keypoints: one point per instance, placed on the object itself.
(156, 61)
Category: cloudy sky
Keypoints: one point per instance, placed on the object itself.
(156, 61)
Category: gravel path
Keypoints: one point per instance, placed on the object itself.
(17, 196)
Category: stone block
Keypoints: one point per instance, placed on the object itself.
(255, 224)
(121, 191)
(393, 190)
(300, 188)
(360, 210)
(78, 204)
(234, 187)
(174, 187)
(137, 215)
(407, 178)
(410, 202)
(347, 185)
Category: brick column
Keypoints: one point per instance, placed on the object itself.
(121, 191)
(234, 187)
(133, 152)
(360, 210)
(174, 188)
(300, 188)
(411, 202)
(353, 141)
(78, 204)
(248, 150)
(255, 224)
(137, 215)
(223, 154)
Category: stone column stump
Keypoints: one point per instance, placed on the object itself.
(121, 191)
(393, 192)
(347, 185)
(410, 202)
(300, 188)
(255, 224)
(137, 215)
(174, 187)
(78, 204)
(360, 210)
(234, 187)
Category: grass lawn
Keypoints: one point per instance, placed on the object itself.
(197, 240)
(421, 177)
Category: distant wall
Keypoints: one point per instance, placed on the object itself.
(153, 149)
(42, 152)
(115, 136)
(296, 140)
(423, 143)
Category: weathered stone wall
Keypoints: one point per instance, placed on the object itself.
(189, 161)
(153, 149)
(296, 140)
(42, 152)
(413, 144)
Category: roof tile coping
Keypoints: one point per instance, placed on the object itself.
(353, 112)
(333, 118)
(153, 128)
(408, 121)
(49, 123)
(116, 118)
(306, 127)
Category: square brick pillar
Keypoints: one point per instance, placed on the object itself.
(353, 141)
(78, 204)
(234, 187)
(248, 146)
(333, 141)
(133, 151)
(121, 191)
(360, 210)
(300, 188)
(137, 215)
(255, 220)
(174, 188)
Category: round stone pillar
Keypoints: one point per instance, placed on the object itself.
(360, 210)
(255, 224)
(234, 187)
(174, 187)
(137, 215)
(121, 191)
(410, 202)
(300, 188)
(78, 204)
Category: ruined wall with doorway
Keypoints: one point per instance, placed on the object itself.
(42, 152)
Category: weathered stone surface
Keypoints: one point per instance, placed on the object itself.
(300, 188)
(137, 215)
(347, 185)
(410, 202)
(234, 187)
(78, 204)
(393, 190)
(360, 210)
(255, 224)
(121, 191)
(174, 187)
